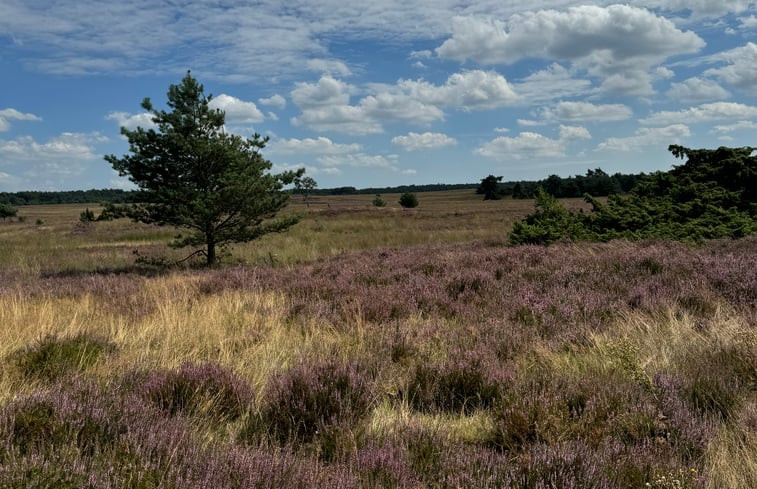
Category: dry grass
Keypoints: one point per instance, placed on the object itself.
(260, 329)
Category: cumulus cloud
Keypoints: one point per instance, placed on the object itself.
(646, 137)
(726, 129)
(584, 112)
(428, 140)
(326, 104)
(716, 111)
(570, 133)
(132, 121)
(525, 145)
(275, 100)
(55, 164)
(619, 43)
(748, 22)
(237, 111)
(360, 160)
(7, 115)
(551, 83)
(741, 71)
(697, 90)
(329, 66)
(312, 146)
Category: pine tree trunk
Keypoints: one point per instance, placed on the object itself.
(211, 253)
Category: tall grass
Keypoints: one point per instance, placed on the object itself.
(618, 365)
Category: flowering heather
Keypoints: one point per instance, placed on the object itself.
(311, 400)
(615, 365)
(208, 388)
(548, 289)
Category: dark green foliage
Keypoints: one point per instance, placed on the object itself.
(378, 201)
(550, 223)
(115, 196)
(196, 176)
(711, 196)
(87, 215)
(53, 357)
(7, 211)
(408, 200)
(490, 188)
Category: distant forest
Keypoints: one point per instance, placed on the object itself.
(595, 182)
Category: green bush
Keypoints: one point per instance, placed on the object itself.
(711, 196)
(408, 200)
(53, 357)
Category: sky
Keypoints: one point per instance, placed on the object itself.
(381, 93)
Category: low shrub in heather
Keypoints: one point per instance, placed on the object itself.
(314, 400)
(465, 382)
(81, 435)
(54, 357)
(208, 389)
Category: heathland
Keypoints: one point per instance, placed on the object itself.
(374, 347)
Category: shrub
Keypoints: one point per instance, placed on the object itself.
(378, 201)
(408, 200)
(207, 389)
(54, 357)
(309, 400)
(87, 215)
(460, 385)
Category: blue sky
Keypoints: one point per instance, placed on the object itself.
(381, 93)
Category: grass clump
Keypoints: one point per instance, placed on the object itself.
(54, 357)
(206, 389)
(315, 401)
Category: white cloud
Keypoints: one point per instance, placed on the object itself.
(525, 146)
(428, 140)
(275, 100)
(716, 111)
(422, 54)
(699, 8)
(697, 90)
(570, 133)
(501, 129)
(326, 104)
(7, 115)
(312, 146)
(132, 121)
(409, 171)
(646, 137)
(737, 126)
(237, 111)
(619, 43)
(748, 22)
(55, 164)
(329, 66)
(585, 112)
(741, 72)
(359, 160)
(553, 82)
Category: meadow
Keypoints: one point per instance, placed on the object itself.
(374, 348)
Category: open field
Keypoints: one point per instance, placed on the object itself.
(375, 348)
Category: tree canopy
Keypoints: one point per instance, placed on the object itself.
(712, 195)
(194, 175)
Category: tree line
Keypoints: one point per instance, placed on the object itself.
(596, 183)
(712, 195)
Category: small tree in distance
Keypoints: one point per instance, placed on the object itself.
(7, 211)
(195, 176)
(490, 188)
(304, 186)
(408, 200)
